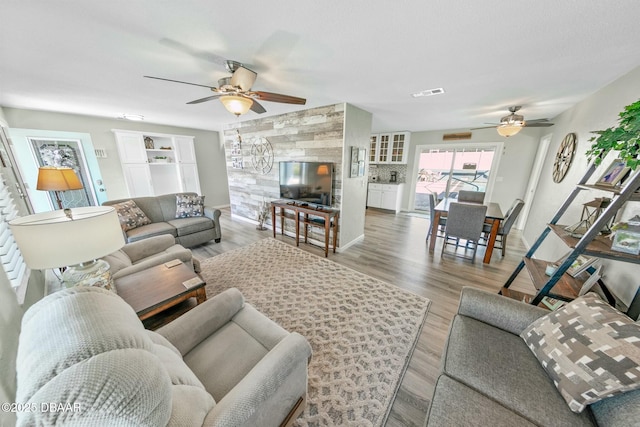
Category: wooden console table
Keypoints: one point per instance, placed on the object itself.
(308, 215)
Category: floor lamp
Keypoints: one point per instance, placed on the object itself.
(57, 179)
(76, 238)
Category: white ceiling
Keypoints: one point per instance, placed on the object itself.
(88, 57)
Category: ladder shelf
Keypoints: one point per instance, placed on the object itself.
(560, 284)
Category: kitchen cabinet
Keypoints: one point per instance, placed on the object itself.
(155, 164)
(390, 148)
(385, 196)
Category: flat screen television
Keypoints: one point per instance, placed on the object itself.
(308, 182)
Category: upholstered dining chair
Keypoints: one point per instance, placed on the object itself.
(471, 196)
(433, 201)
(464, 222)
(506, 224)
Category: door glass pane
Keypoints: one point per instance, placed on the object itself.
(471, 170)
(66, 153)
(447, 171)
(433, 172)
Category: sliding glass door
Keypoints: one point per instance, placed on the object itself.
(446, 171)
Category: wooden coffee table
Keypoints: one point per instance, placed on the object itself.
(158, 288)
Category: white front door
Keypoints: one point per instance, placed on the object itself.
(35, 148)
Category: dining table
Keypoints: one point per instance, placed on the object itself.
(493, 216)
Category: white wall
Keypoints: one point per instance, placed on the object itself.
(208, 146)
(357, 129)
(599, 111)
(515, 166)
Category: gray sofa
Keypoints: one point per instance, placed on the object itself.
(147, 253)
(221, 364)
(161, 210)
(490, 377)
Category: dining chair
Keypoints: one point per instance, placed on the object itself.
(433, 201)
(471, 196)
(464, 222)
(505, 225)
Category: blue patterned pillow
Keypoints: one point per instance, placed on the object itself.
(188, 206)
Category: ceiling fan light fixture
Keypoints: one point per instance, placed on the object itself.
(508, 130)
(236, 104)
(428, 92)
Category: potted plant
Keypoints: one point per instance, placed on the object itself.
(161, 159)
(624, 138)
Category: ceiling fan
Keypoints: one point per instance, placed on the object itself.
(235, 91)
(513, 123)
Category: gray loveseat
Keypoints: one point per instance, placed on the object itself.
(161, 210)
(221, 364)
(490, 377)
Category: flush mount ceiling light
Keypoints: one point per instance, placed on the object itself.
(133, 117)
(236, 104)
(428, 92)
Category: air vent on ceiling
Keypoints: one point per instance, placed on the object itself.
(428, 92)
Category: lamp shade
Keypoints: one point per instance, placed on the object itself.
(323, 170)
(51, 178)
(54, 239)
(236, 104)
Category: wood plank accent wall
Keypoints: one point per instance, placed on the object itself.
(311, 135)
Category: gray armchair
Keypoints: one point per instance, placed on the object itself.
(221, 364)
(147, 253)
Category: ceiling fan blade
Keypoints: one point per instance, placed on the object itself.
(276, 97)
(244, 78)
(178, 81)
(537, 120)
(199, 54)
(537, 124)
(257, 107)
(485, 127)
(208, 98)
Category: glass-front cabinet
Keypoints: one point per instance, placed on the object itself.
(373, 149)
(389, 147)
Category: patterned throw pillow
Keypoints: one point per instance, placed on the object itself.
(130, 215)
(188, 206)
(589, 349)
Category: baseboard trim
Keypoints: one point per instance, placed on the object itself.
(344, 247)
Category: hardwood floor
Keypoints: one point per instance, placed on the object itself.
(394, 250)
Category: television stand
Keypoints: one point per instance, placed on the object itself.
(324, 218)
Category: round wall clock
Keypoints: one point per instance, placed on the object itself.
(564, 157)
(261, 155)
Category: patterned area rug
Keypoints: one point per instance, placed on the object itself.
(362, 330)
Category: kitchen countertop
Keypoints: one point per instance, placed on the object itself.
(385, 182)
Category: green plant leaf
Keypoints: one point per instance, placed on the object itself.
(623, 138)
